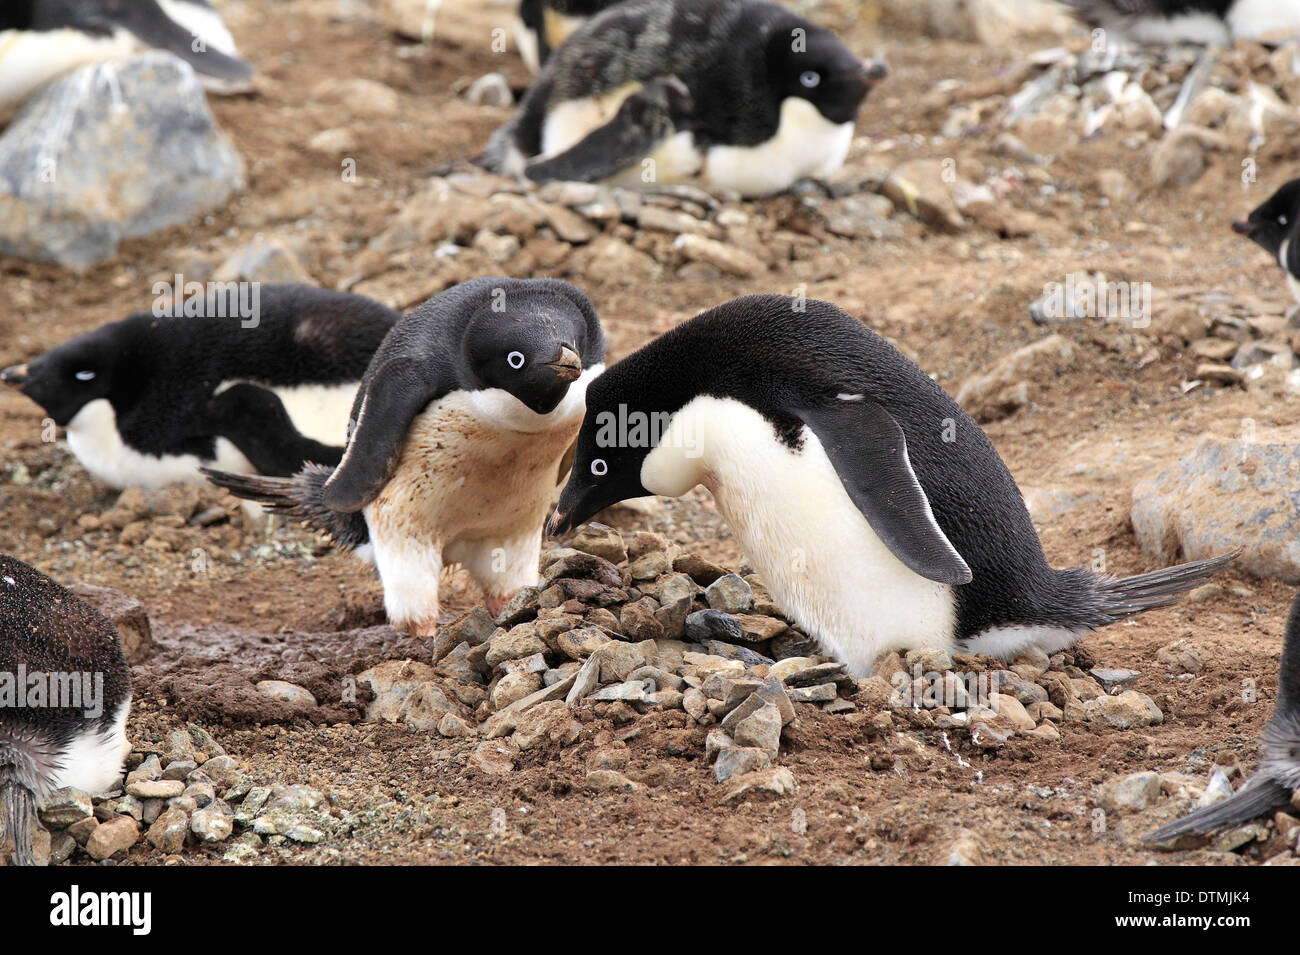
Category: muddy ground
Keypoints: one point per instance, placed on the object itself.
(957, 302)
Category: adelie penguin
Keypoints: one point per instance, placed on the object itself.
(247, 385)
(1275, 227)
(464, 417)
(43, 39)
(65, 692)
(1205, 22)
(879, 515)
(1277, 778)
(737, 94)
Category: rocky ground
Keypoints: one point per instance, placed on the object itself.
(278, 719)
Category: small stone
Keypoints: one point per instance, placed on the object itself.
(179, 768)
(82, 829)
(756, 628)
(522, 606)
(608, 780)
(704, 625)
(738, 760)
(966, 849)
(637, 622)
(549, 722)
(761, 729)
(490, 89)
(1138, 791)
(695, 703)
(822, 693)
(729, 594)
(494, 757)
(167, 834)
(1110, 678)
(515, 686)
(1179, 657)
(453, 726)
(729, 259)
(702, 571)
(63, 807)
(1128, 709)
(602, 541)
(631, 692)
(156, 789)
(581, 643)
(777, 781)
(286, 692)
(618, 659)
(109, 838)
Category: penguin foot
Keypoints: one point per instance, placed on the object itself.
(496, 603)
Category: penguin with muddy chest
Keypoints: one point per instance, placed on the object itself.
(255, 383)
(737, 94)
(878, 513)
(65, 692)
(458, 433)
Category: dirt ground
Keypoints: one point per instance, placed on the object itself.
(956, 302)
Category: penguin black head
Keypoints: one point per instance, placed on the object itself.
(811, 63)
(66, 378)
(1274, 221)
(528, 341)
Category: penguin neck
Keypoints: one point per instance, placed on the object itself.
(705, 444)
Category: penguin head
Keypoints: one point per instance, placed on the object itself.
(532, 343)
(810, 62)
(66, 378)
(1271, 223)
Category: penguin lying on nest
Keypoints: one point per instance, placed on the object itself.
(1277, 777)
(457, 436)
(880, 516)
(74, 733)
(736, 94)
(146, 400)
(43, 39)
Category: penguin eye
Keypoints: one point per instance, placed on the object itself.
(515, 359)
(810, 79)
(1281, 220)
(599, 467)
(85, 376)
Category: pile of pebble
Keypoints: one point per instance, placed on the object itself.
(188, 793)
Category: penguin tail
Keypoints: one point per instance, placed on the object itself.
(1257, 797)
(1120, 597)
(296, 498)
(17, 812)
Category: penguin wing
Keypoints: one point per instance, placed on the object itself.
(255, 421)
(868, 449)
(147, 21)
(391, 397)
(643, 121)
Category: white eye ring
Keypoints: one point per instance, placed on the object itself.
(599, 467)
(810, 78)
(85, 376)
(1281, 220)
(515, 360)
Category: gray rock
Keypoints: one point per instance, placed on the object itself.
(738, 760)
(730, 594)
(1109, 678)
(705, 625)
(167, 834)
(135, 149)
(490, 89)
(762, 729)
(286, 692)
(63, 807)
(1227, 493)
(1137, 791)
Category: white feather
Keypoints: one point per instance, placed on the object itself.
(92, 761)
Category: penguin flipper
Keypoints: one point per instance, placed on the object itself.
(255, 421)
(868, 449)
(644, 120)
(391, 396)
(151, 25)
(1252, 800)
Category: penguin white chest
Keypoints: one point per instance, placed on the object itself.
(805, 144)
(1292, 282)
(30, 59)
(824, 565)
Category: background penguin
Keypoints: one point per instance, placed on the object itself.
(1273, 226)
(1278, 774)
(463, 418)
(43, 39)
(45, 629)
(878, 513)
(1192, 21)
(145, 400)
(738, 94)
(544, 24)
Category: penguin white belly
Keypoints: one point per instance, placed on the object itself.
(1203, 28)
(92, 761)
(29, 58)
(824, 565)
(1264, 19)
(1292, 282)
(806, 144)
(95, 441)
(319, 412)
(474, 483)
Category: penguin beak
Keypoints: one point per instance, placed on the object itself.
(14, 377)
(572, 509)
(1241, 226)
(559, 522)
(873, 71)
(568, 366)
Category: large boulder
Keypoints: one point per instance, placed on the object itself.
(1228, 493)
(109, 152)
